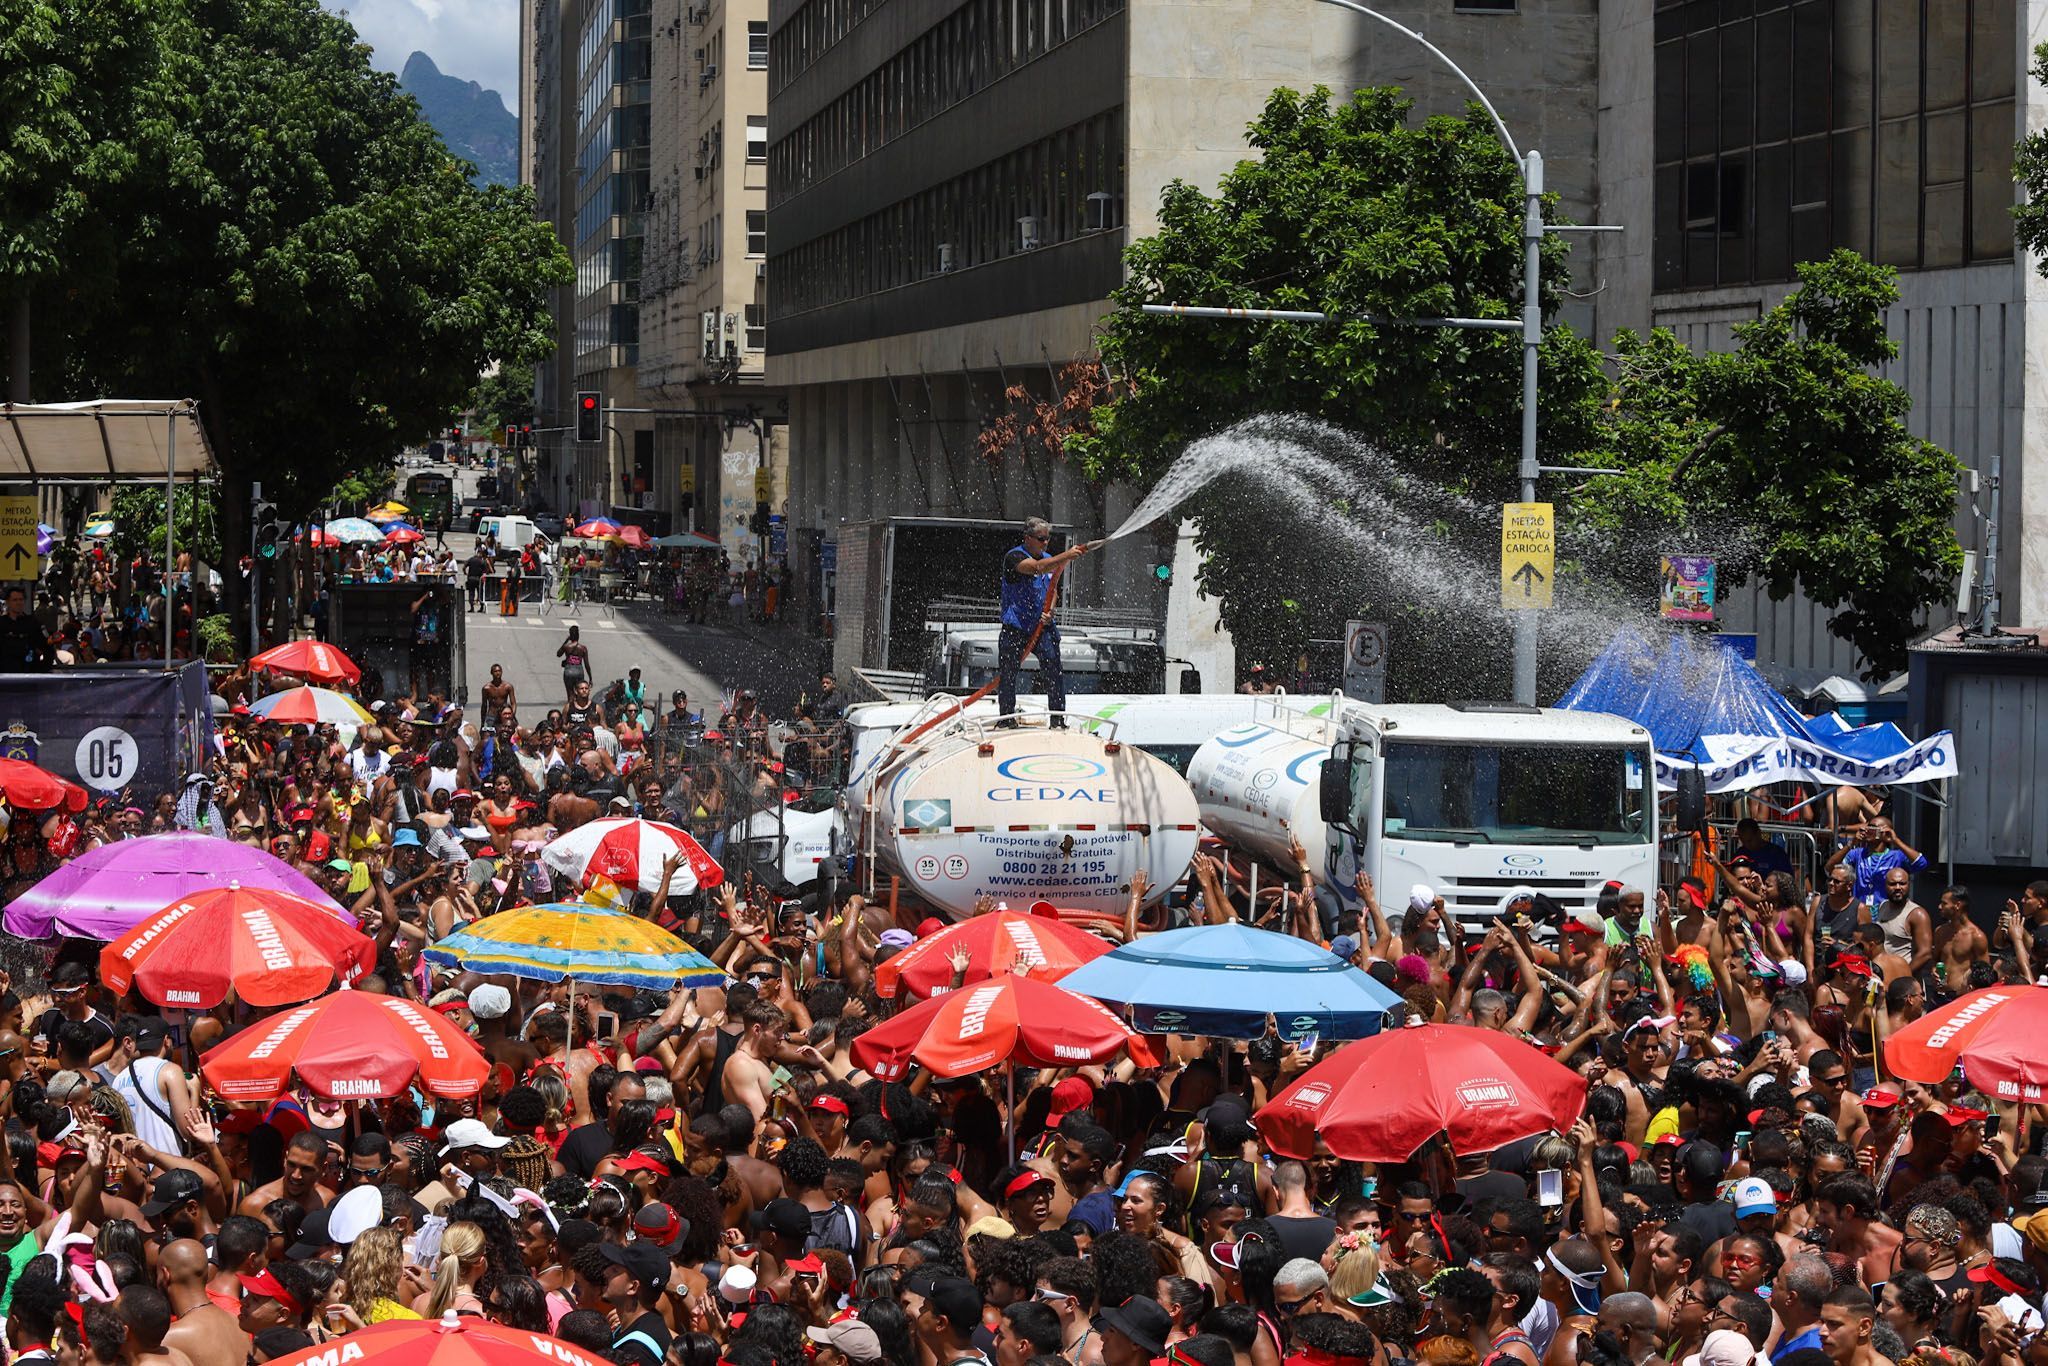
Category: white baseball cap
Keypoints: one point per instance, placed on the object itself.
(489, 1001)
(1753, 1195)
(1421, 897)
(471, 1133)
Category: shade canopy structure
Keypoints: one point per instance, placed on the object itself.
(104, 440)
(997, 944)
(105, 892)
(570, 939)
(1226, 979)
(1707, 707)
(352, 1045)
(1994, 1035)
(1380, 1099)
(269, 947)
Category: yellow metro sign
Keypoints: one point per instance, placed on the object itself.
(1528, 556)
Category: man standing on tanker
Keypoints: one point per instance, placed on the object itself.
(1024, 587)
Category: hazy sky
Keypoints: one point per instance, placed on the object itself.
(477, 40)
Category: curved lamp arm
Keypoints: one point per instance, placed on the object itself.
(1458, 71)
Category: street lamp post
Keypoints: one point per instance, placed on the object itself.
(1531, 326)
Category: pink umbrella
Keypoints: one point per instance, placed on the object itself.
(104, 893)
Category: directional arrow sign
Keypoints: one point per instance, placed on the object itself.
(18, 536)
(1528, 556)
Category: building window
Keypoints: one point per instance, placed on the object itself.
(1785, 128)
(757, 232)
(757, 138)
(757, 328)
(757, 44)
(1484, 7)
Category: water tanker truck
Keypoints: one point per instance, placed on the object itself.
(1473, 799)
(968, 810)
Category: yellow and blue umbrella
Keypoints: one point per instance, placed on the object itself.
(588, 943)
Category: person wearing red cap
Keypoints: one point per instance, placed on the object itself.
(1026, 1198)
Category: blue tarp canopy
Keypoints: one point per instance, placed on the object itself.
(1707, 707)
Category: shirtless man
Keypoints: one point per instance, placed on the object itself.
(1957, 941)
(499, 696)
(566, 810)
(200, 1329)
(1846, 1209)
(304, 1159)
(749, 1072)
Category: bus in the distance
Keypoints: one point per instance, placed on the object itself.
(431, 497)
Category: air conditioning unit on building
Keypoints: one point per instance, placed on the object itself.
(709, 319)
(710, 75)
(699, 170)
(945, 258)
(1029, 232)
(697, 14)
(760, 270)
(1099, 210)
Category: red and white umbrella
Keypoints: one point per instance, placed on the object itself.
(352, 1045)
(269, 947)
(313, 660)
(631, 852)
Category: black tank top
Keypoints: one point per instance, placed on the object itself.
(714, 1089)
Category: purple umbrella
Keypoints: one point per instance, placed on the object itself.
(107, 892)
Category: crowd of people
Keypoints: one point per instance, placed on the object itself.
(705, 1175)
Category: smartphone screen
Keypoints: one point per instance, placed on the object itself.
(1991, 1125)
(607, 1025)
(780, 1076)
(1306, 1044)
(1550, 1187)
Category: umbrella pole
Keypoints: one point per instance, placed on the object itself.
(1010, 1107)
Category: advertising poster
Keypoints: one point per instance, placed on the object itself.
(1687, 589)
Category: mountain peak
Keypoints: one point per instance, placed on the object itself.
(473, 121)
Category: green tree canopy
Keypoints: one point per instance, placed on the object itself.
(1787, 458)
(302, 255)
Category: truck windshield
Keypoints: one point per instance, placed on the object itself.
(1513, 794)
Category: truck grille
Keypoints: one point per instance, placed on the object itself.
(1476, 900)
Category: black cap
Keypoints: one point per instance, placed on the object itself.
(1140, 1319)
(313, 1238)
(646, 1263)
(282, 1341)
(150, 1031)
(172, 1189)
(957, 1302)
(783, 1217)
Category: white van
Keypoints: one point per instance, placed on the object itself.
(514, 533)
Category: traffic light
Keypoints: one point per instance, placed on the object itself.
(511, 435)
(589, 417)
(266, 534)
(758, 523)
(1163, 572)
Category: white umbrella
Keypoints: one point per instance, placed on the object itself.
(631, 852)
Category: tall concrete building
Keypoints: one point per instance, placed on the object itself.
(703, 329)
(951, 183)
(548, 164)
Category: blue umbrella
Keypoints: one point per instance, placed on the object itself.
(1226, 979)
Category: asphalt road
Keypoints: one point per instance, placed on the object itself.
(704, 660)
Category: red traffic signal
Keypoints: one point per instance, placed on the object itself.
(589, 420)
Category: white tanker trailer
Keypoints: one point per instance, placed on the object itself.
(1259, 788)
(969, 810)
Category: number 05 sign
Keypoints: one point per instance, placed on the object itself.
(107, 759)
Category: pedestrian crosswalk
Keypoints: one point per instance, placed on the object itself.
(540, 622)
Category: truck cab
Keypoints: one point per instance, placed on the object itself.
(1481, 799)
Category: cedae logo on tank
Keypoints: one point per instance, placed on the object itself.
(1053, 778)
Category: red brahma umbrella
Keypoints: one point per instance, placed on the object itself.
(353, 1045)
(313, 660)
(1995, 1035)
(997, 944)
(1380, 1099)
(1006, 1020)
(35, 789)
(271, 948)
